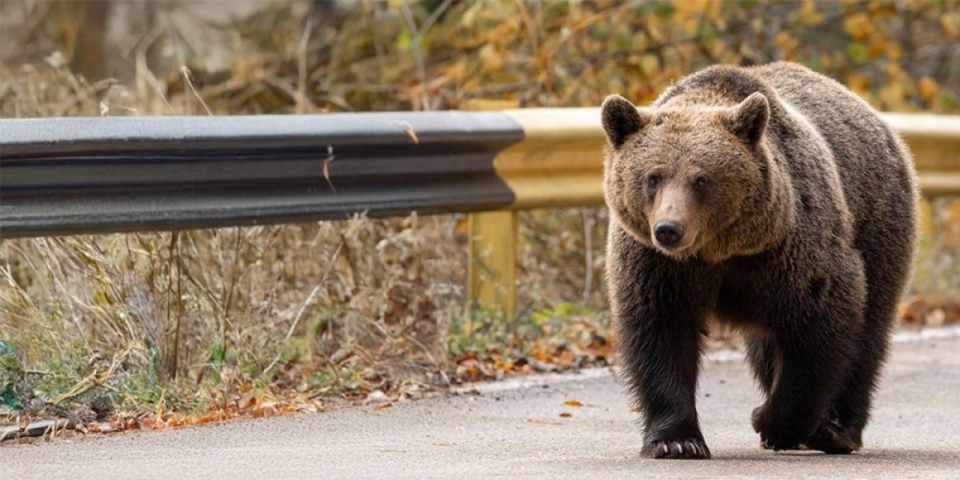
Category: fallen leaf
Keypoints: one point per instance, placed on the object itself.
(542, 422)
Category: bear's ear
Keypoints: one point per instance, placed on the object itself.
(748, 120)
(621, 119)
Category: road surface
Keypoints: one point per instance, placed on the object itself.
(520, 429)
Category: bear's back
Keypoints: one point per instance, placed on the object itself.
(874, 166)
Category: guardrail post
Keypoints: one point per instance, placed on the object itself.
(492, 270)
(493, 261)
(926, 244)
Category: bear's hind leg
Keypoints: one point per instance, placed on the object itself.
(843, 431)
(762, 355)
(816, 351)
(812, 371)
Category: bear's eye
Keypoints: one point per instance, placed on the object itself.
(700, 183)
(653, 181)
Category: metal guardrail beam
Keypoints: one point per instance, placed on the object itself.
(93, 175)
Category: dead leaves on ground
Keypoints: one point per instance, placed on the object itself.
(495, 363)
(932, 309)
(538, 356)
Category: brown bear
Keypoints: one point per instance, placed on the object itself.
(772, 199)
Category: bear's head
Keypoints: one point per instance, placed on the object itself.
(680, 178)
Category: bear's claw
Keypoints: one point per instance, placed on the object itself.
(773, 434)
(830, 438)
(689, 448)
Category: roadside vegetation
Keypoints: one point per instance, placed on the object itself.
(149, 330)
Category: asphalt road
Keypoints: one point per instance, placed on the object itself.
(516, 430)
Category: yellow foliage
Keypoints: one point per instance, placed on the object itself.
(572, 52)
(858, 26)
(951, 24)
(718, 50)
(894, 50)
(917, 5)
(809, 14)
(894, 71)
(892, 95)
(655, 27)
(826, 60)
(858, 82)
(876, 46)
(690, 13)
(929, 88)
(469, 18)
(649, 64)
(884, 8)
(787, 44)
(491, 60)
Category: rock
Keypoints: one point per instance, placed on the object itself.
(7, 433)
(102, 406)
(36, 429)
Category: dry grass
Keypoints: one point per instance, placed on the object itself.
(234, 306)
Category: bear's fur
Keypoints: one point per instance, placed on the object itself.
(772, 199)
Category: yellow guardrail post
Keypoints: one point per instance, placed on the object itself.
(926, 243)
(492, 266)
(492, 269)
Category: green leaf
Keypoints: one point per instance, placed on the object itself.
(948, 101)
(658, 7)
(600, 32)
(154, 374)
(857, 52)
(8, 350)
(405, 40)
(9, 397)
(11, 371)
(217, 357)
(708, 34)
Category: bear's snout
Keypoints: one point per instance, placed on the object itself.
(668, 233)
(674, 222)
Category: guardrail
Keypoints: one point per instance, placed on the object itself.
(93, 175)
(96, 175)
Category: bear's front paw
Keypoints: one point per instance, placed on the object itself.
(687, 448)
(774, 435)
(831, 438)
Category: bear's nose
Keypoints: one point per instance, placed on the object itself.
(668, 233)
